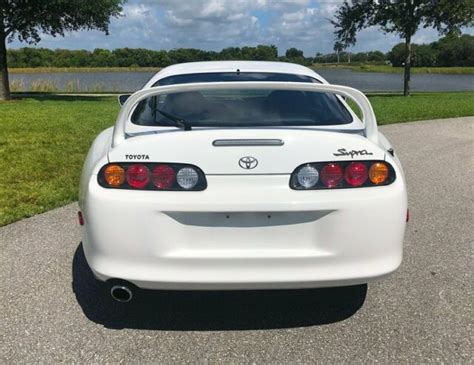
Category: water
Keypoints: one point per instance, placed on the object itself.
(132, 81)
(368, 81)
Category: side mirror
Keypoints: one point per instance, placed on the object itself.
(123, 98)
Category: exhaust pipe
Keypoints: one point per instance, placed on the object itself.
(121, 293)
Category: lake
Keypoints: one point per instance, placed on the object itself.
(132, 81)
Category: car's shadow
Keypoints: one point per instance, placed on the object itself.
(213, 310)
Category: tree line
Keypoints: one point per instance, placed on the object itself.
(140, 57)
(451, 50)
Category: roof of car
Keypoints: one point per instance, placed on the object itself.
(230, 66)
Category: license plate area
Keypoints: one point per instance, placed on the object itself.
(245, 219)
(241, 234)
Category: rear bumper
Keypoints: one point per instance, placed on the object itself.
(238, 235)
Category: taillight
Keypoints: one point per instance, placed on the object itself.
(114, 175)
(138, 176)
(342, 174)
(307, 176)
(152, 176)
(187, 178)
(163, 176)
(378, 173)
(356, 174)
(331, 175)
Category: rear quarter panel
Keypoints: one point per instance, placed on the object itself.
(97, 153)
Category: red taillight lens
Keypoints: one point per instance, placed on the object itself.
(138, 176)
(331, 175)
(356, 174)
(163, 176)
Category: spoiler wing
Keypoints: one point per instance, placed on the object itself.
(368, 118)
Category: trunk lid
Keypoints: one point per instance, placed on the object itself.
(246, 151)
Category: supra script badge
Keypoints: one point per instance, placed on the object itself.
(344, 152)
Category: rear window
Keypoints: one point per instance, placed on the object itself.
(242, 108)
(232, 76)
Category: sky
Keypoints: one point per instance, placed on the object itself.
(216, 24)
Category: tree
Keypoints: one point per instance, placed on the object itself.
(403, 17)
(454, 51)
(338, 48)
(294, 53)
(260, 53)
(26, 20)
(375, 56)
(397, 55)
(446, 52)
(423, 56)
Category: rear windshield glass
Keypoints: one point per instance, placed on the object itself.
(232, 76)
(242, 108)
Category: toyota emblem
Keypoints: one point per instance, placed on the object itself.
(248, 162)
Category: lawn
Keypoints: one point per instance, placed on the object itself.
(392, 108)
(43, 142)
(44, 139)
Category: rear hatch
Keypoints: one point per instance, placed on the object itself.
(246, 151)
(245, 128)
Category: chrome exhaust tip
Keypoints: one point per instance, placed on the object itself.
(121, 293)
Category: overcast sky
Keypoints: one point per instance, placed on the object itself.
(216, 24)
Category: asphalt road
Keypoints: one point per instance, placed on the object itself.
(51, 309)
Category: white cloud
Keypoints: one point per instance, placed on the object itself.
(137, 11)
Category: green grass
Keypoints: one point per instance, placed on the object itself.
(44, 139)
(396, 109)
(43, 142)
(390, 69)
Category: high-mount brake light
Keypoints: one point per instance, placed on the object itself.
(342, 175)
(331, 175)
(114, 175)
(356, 174)
(163, 176)
(152, 176)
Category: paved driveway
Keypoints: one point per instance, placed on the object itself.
(51, 309)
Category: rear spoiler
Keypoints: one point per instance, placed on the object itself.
(368, 118)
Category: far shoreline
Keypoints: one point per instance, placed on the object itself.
(455, 70)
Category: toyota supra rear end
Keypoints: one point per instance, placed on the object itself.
(242, 175)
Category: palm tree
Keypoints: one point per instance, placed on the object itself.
(338, 48)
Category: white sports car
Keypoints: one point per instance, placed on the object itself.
(241, 175)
